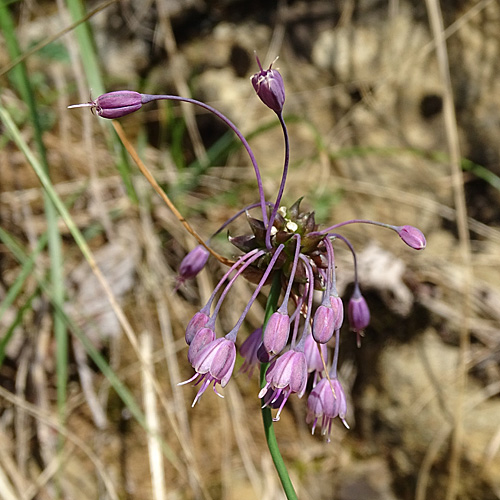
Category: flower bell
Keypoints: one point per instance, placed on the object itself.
(192, 264)
(412, 236)
(115, 104)
(269, 87)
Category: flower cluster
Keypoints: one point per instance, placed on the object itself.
(284, 246)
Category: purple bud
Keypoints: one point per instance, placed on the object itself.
(192, 264)
(323, 324)
(269, 87)
(338, 311)
(197, 322)
(412, 236)
(115, 104)
(248, 351)
(312, 353)
(276, 333)
(358, 312)
(201, 339)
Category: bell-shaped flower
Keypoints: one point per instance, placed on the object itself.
(286, 375)
(248, 351)
(326, 402)
(323, 325)
(115, 104)
(192, 264)
(213, 364)
(412, 236)
(338, 311)
(197, 322)
(276, 333)
(201, 339)
(358, 311)
(269, 87)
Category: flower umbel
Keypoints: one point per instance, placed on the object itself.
(284, 245)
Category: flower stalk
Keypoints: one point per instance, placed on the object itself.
(267, 418)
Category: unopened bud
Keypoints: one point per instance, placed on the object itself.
(198, 321)
(192, 264)
(323, 324)
(358, 312)
(115, 104)
(269, 87)
(276, 333)
(412, 236)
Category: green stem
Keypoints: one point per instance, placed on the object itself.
(272, 443)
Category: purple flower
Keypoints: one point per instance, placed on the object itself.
(323, 324)
(412, 236)
(338, 310)
(197, 322)
(213, 364)
(286, 375)
(200, 340)
(269, 87)
(313, 358)
(192, 264)
(326, 402)
(358, 312)
(276, 333)
(115, 104)
(248, 351)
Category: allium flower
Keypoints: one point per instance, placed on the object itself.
(248, 351)
(313, 357)
(323, 324)
(276, 333)
(412, 236)
(283, 246)
(192, 264)
(197, 322)
(200, 340)
(213, 364)
(115, 104)
(358, 312)
(286, 375)
(338, 311)
(269, 87)
(326, 402)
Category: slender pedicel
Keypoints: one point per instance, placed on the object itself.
(283, 181)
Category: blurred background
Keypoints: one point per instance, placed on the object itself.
(382, 126)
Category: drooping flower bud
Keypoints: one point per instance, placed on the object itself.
(412, 236)
(201, 339)
(192, 264)
(312, 353)
(323, 324)
(197, 322)
(115, 104)
(276, 333)
(248, 351)
(269, 87)
(338, 311)
(358, 312)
